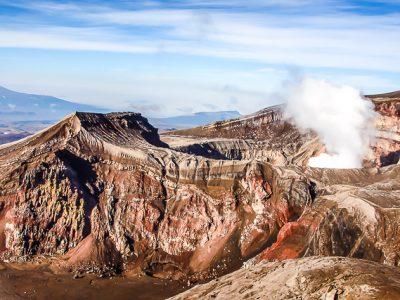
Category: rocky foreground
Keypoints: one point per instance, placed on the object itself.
(327, 278)
(105, 194)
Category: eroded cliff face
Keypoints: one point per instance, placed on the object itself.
(264, 135)
(267, 136)
(101, 190)
(355, 214)
(387, 145)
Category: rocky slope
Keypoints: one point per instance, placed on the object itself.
(355, 213)
(308, 278)
(264, 135)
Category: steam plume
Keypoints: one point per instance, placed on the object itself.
(340, 117)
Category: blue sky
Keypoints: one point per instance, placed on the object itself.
(173, 57)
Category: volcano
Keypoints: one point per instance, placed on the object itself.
(106, 194)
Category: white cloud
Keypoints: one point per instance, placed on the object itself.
(306, 33)
(334, 40)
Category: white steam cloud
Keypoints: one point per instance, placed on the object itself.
(338, 114)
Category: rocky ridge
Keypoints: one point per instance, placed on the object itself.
(264, 135)
(267, 135)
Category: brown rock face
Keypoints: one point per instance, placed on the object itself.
(355, 214)
(307, 278)
(264, 135)
(99, 190)
(387, 145)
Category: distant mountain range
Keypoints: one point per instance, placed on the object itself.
(196, 119)
(15, 106)
(22, 114)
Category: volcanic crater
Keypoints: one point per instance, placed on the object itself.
(105, 194)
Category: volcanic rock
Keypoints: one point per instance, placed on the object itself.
(307, 278)
(264, 135)
(104, 194)
(267, 135)
(387, 144)
(100, 190)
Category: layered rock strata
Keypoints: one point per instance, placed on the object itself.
(267, 135)
(104, 190)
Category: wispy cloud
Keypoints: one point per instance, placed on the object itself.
(338, 39)
(311, 34)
